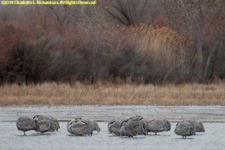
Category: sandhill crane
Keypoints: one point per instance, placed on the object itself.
(94, 124)
(114, 126)
(142, 128)
(45, 125)
(131, 127)
(25, 124)
(199, 127)
(53, 121)
(79, 128)
(158, 126)
(185, 129)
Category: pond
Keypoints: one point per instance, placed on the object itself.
(212, 116)
(106, 112)
(12, 139)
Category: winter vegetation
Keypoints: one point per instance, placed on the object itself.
(136, 43)
(112, 94)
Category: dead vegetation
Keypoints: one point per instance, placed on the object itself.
(153, 42)
(112, 94)
(160, 47)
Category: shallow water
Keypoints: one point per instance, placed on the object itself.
(212, 116)
(105, 113)
(12, 139)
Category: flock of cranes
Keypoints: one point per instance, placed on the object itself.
(130, 127)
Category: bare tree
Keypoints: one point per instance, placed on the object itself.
(131, 12)
(64, 16)
(192, 17)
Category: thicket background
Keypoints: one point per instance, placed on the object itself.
(143, 41)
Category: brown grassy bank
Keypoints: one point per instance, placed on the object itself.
(112, 94)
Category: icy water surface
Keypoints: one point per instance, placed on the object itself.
(105, 113)
(12, 139)
(212, 116)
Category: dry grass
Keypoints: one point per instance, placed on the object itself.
(161, 40)
(112, 94)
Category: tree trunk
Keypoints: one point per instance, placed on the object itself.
(200, 56)
(200, 64)
(210, 55)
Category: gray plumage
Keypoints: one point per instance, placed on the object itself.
(80, 128)
(131, 127)
(114, 127)
(199, 127)
(45, 125)
(53, 121)
(184, 129)
(127, 127)
(111, 122)
(115, 124)
(78, 119)
(25, 124)
(158, 126)
(136, 118)
(94, 124)
(142, 128)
